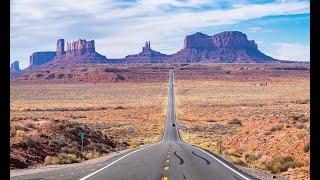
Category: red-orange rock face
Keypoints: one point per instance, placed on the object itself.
(225, 47)
(81, 51)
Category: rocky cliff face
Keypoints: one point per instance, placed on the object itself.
(225, 47)
(14, 68)
(198, 41)
(233, 40)
(81, 51)
(39, 58)
(146, 56)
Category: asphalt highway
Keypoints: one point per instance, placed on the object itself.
(169, 159)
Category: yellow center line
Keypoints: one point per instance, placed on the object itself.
(165, 178)
(167, 160)
(166, 168)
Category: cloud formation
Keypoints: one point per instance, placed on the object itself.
(291, 51)
(121, 27)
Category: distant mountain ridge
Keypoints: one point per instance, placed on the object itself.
(224, 47)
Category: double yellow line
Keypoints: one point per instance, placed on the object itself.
(166, 165)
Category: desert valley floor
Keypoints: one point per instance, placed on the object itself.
(256, 115)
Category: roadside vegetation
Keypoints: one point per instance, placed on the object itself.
(46, 120)
(51, 141)
(253, 125)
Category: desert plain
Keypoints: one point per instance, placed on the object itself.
(256, 115)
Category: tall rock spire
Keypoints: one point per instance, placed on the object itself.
(146, 47)
(14, 68)
(60, 47)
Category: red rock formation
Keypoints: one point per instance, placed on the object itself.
(198, 41)
(14, 68)
(146, 56)
(81, 51)
(60, 47)
(39, 58)
(233, 40)
(225, 47)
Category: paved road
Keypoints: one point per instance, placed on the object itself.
(169, 159)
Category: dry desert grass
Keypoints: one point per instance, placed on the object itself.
(259, 126)
(110, 108)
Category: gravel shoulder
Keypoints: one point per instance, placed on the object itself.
(261, 174)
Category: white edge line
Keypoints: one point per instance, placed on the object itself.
(165, 127)
(235, 171)
(89, 175)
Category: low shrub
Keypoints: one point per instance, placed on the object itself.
(306, 147)
(13, 131)
(296, 117)
(50, 160)
(30, 125)
(303, 101)
(211, 120)
(301, 135)
(119, 107)
(288, 126)
(71, 150)
(267, 133)
(134, 145)
(92, 155)
(233, 152)
(58, 139)
(303, 120)
(249, 158)
(104, 149)
(238, 161)
(300, 126)
(77, 117)
(235, 121)
(29, 142)
(42, 134)
(60, 126)
(281, 164)
(277, 127)
(21, 135)
(92, 146)
(65, 158)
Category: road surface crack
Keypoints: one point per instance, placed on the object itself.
(207, 161)
(181, 160)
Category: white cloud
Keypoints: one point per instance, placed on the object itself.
(291, 51)
(120, 28)
(258, 29)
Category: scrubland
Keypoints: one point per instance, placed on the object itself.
(128, 113)
(256, 115)
(251, 123)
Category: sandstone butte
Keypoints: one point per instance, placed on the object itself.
(224, 47)
(14, 68)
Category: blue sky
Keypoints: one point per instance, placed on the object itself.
(281, 28)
